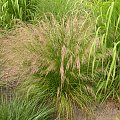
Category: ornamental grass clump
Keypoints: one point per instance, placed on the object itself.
(69, 64)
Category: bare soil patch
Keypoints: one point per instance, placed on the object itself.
(19, 62)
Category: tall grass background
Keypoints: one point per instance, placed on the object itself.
(108, 26)
(33, 10)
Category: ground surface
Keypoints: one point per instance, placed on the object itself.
(19, 62)
(108, 111)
